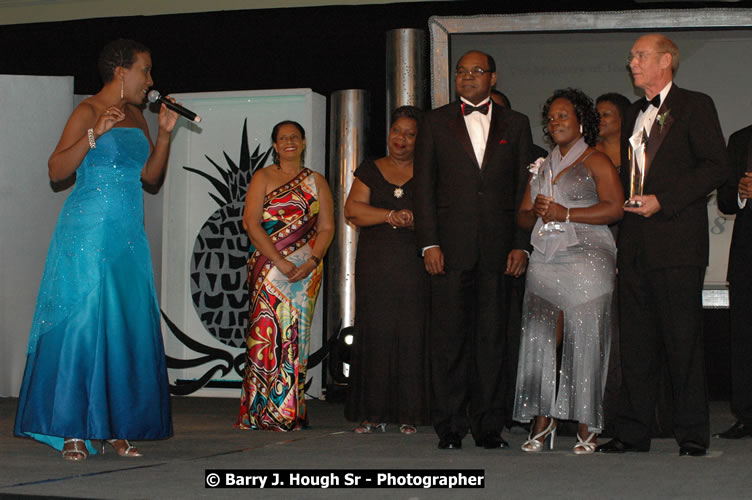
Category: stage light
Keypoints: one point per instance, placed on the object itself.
(339, 354)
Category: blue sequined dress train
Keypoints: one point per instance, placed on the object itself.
(95, 366)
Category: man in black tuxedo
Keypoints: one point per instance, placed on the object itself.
(733, 198)
(470, 160)
(663, 252)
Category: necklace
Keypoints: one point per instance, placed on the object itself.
(398, 192)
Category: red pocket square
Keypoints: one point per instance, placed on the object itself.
(503, 141)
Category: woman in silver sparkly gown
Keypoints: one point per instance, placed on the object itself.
(569, 202)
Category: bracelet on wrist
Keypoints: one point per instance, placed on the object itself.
(389, 219)
(92, 142)
(567, 219)
(316, 260)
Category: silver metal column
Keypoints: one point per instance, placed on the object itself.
(348, 136)
(405, 70)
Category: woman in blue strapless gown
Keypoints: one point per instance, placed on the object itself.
(95, 367)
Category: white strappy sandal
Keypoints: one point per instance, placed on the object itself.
(585, 447)
(535, 443)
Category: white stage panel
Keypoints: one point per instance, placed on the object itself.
(202, 232)
(34, 111)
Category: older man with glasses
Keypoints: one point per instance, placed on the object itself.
(663, 250)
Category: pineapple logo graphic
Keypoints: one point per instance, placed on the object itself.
(218, 275)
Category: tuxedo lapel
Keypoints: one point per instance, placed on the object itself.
(632, 113)
(495, 134)
(629, 125)
(459, 131)
(748, 168)
(660, 129)
(626, 133)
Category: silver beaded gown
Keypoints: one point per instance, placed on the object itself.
(578, 280)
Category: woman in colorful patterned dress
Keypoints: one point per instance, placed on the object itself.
(289, 217)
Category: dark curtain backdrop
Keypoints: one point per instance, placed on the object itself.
(323, 48)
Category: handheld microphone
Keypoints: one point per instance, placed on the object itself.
(154, 96)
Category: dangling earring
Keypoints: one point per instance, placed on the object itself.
(580, 125)
(122, 85)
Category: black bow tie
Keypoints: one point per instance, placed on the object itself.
(469, 108)
(655, 101)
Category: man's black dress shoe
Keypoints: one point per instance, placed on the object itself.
(491, 440)
(451, 441)
(737, 431)
(692, 450)
(616, 445)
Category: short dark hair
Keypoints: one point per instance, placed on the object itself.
(275, 132)
(491, 62)
(121, 52)
(583, 110)
(406, 112)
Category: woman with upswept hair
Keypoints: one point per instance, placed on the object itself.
(289, 217)
(389, 381)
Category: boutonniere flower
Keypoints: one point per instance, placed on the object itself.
(661, 118)
(534, 167)
(503, 141)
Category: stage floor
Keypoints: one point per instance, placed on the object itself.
(205, 439)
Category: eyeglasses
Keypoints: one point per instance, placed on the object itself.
(476, 71)
(641, 56)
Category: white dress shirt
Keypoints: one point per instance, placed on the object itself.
(478, 126)
(646, 118)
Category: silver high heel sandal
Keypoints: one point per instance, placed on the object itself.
(369, 427)
(130, 451)
(585, 447)
(75, 454)
(535, 443)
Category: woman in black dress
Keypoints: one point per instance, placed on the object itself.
(611, 108)
(389, 369)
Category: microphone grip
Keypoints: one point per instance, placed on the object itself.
(180, 110)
